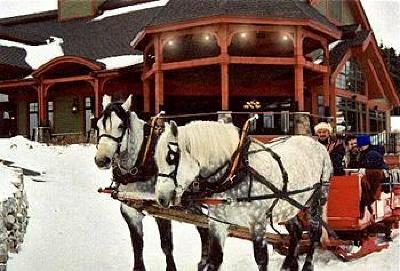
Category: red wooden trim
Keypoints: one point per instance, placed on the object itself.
(315, 67)
(351, 95)
(68, 79)
(146, 96)
(375, 76)
(17, 83)
(67, 59)
(262, 60)
(148, 74)
(390, 89)
(325, 88)
(332, 104)
(190, 63)
(224, 87)
(360, 14)
(159, 76)
(381, 106)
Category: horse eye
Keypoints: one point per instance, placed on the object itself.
(121, 126)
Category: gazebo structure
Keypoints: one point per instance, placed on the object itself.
(318, 58)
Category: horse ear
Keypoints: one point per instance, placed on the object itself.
(174, 128)
(106, 100)
(127, 104)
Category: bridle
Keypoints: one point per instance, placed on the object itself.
(124, 116)
(172, 159)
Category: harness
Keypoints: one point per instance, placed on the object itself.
(145, 166)
(235, 172)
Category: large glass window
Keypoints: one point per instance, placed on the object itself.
(351, 78)
(350, 116)
(377, 121)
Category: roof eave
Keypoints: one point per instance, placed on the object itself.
(136, 43)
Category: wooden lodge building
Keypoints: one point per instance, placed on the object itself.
(275, 57)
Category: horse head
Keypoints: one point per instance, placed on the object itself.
(177, 169)
(113, 129)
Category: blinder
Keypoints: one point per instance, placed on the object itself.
(173, 157)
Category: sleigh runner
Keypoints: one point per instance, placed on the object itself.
(344, 221)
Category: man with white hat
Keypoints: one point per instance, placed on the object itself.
(336, 149)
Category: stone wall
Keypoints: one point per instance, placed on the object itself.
(13, 214)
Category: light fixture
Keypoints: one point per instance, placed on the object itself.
(206, 37)
(253, 104)
(243, 35)
(171, 43)
(285, 37)
(75, 105)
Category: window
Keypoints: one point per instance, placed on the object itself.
(350, 115)
(33, 119)
(88, 113)
(351, 78)
(50, 113)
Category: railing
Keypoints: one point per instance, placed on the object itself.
(391, 142)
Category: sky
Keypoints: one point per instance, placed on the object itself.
(74, 228)
(384, 15)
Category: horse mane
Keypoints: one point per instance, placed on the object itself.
(209, 142)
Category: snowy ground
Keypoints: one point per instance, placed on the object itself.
(74, 228)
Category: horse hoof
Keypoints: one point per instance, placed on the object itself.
(171, 268)
(308, 266)
(201, 265)
(210, 267)
(290, 265)
(141, 268)
(262, 267)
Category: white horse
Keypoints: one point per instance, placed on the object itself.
(120, 139)
(199, 149)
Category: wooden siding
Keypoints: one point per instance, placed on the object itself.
(64, 120)
(22, 111)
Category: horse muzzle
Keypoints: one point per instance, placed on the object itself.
(104, 163)
(166, 200)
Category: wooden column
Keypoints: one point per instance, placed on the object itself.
(146, 96)
(42, 102)
(98, 86)
(223, 43)
(159, 91)
(298, 70)
(332, 104)
(367, 127)
(159, 76)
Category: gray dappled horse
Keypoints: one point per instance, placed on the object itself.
(120, 139)
(204, 148)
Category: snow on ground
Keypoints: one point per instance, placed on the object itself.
(74, 228)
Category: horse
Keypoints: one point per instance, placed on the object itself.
(290, 173)
(120, 139)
